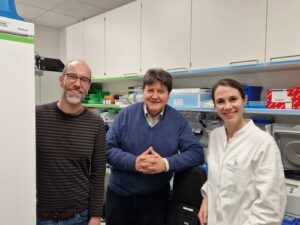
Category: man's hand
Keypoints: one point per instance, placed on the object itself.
(150, 162)
(140, 163)
(95, 220)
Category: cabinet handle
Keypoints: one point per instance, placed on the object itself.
(283, 57)
(130, 74)
(246, 62)
(174, 69)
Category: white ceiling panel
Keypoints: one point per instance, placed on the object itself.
(44, 4)
(62, 13)
(106, 4)
(77, 9)
(28, 12)
(55, 20)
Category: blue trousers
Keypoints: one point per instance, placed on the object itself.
(142, 210)
(81, 218)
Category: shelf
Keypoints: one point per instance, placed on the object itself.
(107, 79)
(227, 70)
(104, 106)
(242, 69)
(289, 112)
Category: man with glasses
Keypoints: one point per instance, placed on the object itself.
(70, 143)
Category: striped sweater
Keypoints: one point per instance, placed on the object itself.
(70, 160)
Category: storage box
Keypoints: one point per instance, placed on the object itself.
(189, 97)
(278, 99)
(289, 220)
(253, 93)
(262, 121)
(294, 93)
(257, 104)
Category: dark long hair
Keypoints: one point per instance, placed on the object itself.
(228, 83)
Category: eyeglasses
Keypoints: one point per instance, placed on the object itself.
(72, 77)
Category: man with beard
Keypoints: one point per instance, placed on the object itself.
(70, 143)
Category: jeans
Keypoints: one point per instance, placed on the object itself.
(81, 218)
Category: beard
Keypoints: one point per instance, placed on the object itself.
(73, 100)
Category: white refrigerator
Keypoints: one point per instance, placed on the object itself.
(17, 123)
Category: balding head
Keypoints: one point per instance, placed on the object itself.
(76, 62)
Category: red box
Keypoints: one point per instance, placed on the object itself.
(276, 105)
(296, 103)
(294, 93)
(278, 101)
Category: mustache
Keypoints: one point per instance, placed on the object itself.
(74, 89)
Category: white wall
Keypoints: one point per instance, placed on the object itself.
(48, 43)
(62, 45)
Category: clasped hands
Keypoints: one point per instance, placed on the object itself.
(150, 162)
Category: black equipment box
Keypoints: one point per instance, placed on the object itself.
(48, 64)
(185, 204)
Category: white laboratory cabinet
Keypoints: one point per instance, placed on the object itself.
(227, 33)
(74, 41)
(93, 44)
(17, 122)
(283, 32)
(166, 34)
(123, 39)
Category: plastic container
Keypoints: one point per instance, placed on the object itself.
(253, 93)
(257, 104)
(138, 95)
(189, 97)
(262, 121)
(289, 220)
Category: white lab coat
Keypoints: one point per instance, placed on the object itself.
(245, 183)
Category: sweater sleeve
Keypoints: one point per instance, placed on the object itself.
(191, 152)
(98, 166)
(116, 157)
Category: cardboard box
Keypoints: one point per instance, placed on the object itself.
(294, 94)
(189, 97)
(278, 99)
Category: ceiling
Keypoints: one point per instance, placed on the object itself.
(62, 13)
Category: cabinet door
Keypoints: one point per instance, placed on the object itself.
(283, 30)
(74, 41)
(94, 44)
(122, 42)
(230, 32)
(165, 34)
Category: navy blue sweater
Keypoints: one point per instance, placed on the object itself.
(130, 135)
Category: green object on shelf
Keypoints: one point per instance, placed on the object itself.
(95, 101)
(104, 106)
(113, 111)
(91, 96)
(95, 88)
